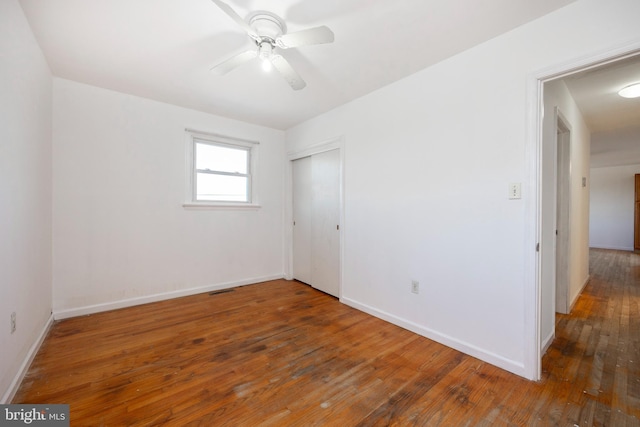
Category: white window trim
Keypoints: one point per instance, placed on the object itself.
(192, 136)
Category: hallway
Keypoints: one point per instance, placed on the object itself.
(594, 361)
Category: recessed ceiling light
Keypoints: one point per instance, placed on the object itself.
(631, 91)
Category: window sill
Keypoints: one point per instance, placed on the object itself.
(221, 206)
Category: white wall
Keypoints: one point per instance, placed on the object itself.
(615, 159)
(120, 232)
(25, 192)
(428, 161)
(616, 148)
(612, 207)
(556, 94)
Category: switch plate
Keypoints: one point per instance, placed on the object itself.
(415, 286)
(515, 190)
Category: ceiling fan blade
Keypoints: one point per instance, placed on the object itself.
(316, 35)
(233, 62)
(287, 71)
(237, 18)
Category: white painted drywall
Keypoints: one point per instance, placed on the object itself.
(428, 161)
(120, 231)
(616, 148)
(615, 159)
(612, 207)
(25, 191)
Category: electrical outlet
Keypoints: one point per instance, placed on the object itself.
(13, 322)
(415, 286)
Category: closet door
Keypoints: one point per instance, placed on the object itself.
(301, 178)
(325, 226)
(316, 219)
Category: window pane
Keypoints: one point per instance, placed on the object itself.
(223, 159)
(221, 188)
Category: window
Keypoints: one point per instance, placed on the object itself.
(221, 171)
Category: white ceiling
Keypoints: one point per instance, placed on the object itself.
(163, 49)
(596, 93)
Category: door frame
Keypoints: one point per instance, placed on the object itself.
(563, 212)
(336, 143)
(533, 350)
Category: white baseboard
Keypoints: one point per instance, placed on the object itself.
(574, 299)
(482, 354)
(31, 354)
(615, 248)
(546, 343)
(130, 302)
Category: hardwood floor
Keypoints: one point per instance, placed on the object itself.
(281, 353)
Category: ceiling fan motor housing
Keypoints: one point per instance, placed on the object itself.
(267, 25)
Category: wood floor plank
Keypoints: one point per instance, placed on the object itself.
(280, 353)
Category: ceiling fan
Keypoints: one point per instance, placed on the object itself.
(269, 32)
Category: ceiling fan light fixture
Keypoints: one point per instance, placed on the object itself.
(269, 31)
(265, 50)
(631, 91)
(266, 65)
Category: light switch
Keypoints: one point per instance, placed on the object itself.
(515, 190)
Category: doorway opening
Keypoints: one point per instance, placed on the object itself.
(558, 208)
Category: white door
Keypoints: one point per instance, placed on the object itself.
(302, 220)
(316, 221)
(325, 228)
